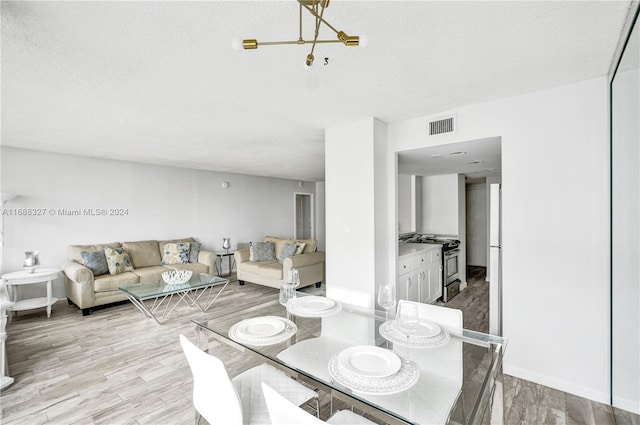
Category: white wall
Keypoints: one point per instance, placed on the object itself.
(349, 215)
(386, 239)
(555, 154)
(405, 201)
(440, 204)
(162, 203)
(320, 220)
(626, 234)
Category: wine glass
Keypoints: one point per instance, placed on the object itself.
(408, 318)
(293, 277)
(287, 294)
(387, 297)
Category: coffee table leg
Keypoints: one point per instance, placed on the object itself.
(143, 308)
(214, 298)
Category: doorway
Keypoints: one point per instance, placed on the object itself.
(454, 189)
(303, 216)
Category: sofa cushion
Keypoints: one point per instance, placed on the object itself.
(279, 244)
(109, 282)
(150, 274)
(271, 270)
(194, 267)
(161, 243)
(299, 248)
(251, 267)
(143, 253)
(73, 251)
(96, 261)
(311, 245)
(118, 260)
(194, 250)
(175, 253)
(262, 251)
(289, 250)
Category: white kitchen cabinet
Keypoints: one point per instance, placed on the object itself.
(419, 273)
(434, 279)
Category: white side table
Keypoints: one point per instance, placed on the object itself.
(25, 278)
(220, 256)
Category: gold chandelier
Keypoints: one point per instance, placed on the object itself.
(316, 8)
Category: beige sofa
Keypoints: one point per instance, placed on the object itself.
(310, 265)
(87, 291)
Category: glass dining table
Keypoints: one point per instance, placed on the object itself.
(358, 358)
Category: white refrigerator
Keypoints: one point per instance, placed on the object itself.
(495, 260)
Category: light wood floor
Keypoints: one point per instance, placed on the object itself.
(115, 367)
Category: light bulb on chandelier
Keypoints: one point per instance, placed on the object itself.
(316, 8)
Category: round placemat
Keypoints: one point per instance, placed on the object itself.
(404, 379)
(391, 334)
(289, 330)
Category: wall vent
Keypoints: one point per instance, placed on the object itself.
(441, 126)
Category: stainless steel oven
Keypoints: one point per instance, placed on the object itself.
(451, 266)
(451, 271)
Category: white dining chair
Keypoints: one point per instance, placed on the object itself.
(445, 360)
(283, 412)
(220, 400)
(449, 317)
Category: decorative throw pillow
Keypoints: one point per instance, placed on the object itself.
(194, 250)
(262, 251)
(311, 245)
(96, 261)
(118, 260)
(176, 253)
(289, 250)
(300, 248)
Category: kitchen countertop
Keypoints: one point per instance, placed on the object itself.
(410, 248)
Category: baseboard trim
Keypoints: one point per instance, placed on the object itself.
(629, 405)
(463, 285)
(558, 384)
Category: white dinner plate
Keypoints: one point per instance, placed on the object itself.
(369, 361)
(260, 327)
(314, 303)
(425, 329)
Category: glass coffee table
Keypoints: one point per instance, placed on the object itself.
(156, 297)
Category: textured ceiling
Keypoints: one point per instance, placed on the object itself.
(158, 82)
(474, 158)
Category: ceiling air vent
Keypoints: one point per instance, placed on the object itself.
(445, 125)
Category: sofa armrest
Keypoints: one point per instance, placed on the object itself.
(302, 260)
(207, 258)
(78, 273)
(242, 255)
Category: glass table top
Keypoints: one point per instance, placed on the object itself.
(156, 289)
(456, 379)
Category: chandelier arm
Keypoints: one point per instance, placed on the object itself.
(275, 43)
(318, 16)
(317, 32)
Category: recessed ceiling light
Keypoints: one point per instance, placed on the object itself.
(436, 155)
(476, 162)
(458, 153)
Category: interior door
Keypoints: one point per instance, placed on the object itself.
(303, 216)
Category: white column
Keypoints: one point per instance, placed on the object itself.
(353, 154)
